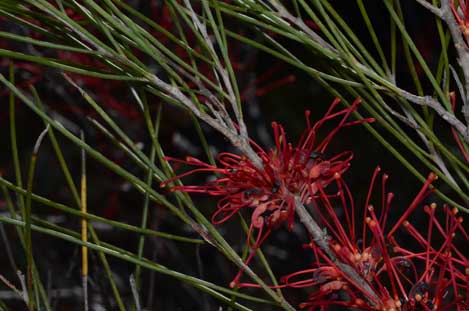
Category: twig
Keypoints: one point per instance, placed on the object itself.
(300, 24)
(407, 119)
(439, 109)
(462, 50)
(321, 238)
(435, 156)
(84, 282)
(133, 287)
(40, 139)
(12, 287)
(231, 134)
(219, 69)
(430, 7)
(24, 288)
(458, 84)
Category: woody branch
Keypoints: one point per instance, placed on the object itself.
(280, 12)
(462, 49)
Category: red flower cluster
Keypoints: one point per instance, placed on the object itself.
(287, 171)
(427, 272)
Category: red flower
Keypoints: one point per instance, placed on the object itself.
(431, 276)
(444, 283)
(361, 249)
(287, 171)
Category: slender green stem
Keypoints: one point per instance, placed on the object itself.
(27, 231)
(146, 203)
(13, 136)
(30, 277)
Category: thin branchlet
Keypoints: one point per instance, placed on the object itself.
(450, 15)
